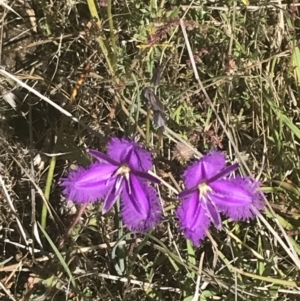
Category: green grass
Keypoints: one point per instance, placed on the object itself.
(242, 97)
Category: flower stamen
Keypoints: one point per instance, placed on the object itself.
(123, 170)
(204, 189)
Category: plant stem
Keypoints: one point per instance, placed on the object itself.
(94, 13)
(120, 265)
(47, 191)
(74, 223)
(112, 35)
(47, 21)
(148, 128)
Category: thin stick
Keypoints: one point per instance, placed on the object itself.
(12, 207)
(8, 293)
(52, 103)
(196, 294)
(74, 223)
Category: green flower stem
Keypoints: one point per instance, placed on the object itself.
(120, 265)
(112, 35)
(47, 19)
(105, 49)
(47, 191)
(148, 128)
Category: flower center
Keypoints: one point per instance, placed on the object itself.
(123, 170)
(203, 189)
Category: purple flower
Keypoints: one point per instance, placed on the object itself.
(208, 192)
(122, 173)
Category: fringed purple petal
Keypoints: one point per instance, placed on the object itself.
(254, 187)
(87, 185)
(212, 212)
(203, 169)
(235, 197)
(193, 218)
(131, 153)
(223, 173)
(112, 195)
(141, 208)
(102, 157)
(146, 176)
(187, 192)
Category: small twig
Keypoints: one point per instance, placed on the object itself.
(163, 182)
(145, 285)
(196, 294)
(12, 207)
(38, 189)
(8, 293)
(2, 3)
(53, 104)
(74, 223)
(250, 8)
